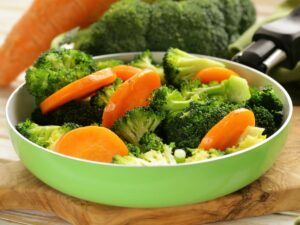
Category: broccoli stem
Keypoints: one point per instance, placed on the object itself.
(236, 89)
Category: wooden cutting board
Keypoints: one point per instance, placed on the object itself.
(278, 190)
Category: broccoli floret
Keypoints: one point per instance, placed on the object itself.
(150, 141)
(130, 160)
(206, 26)
(267, 109)
(264, 118)
(181, 66)
(266, 98)
(102, 96)
(56, 68)
(188, 127)
(45, 136)
(149, 158)
(169, 100)
(79, 112)
(201, 154)
(103, 64)
(123, 28)
(250, 137)
(136, 122)
(235, 89)
(133, 149)
(145, 61)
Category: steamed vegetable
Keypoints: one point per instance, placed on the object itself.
(108, 63)
(232, 125)
(251, 136)
(145, 61)
(79, 112)
(189, 126)
(180, 66)
(55, 69)
(130, 94)
(234, 89)
(45, 136)
(205, 27)
(267, 109)
(168, 100)
(214, 74)
(149, 158)
(102, 96)
(125, 72)
(92, 143)
(136, 123)
(150, 141)
(78, 89)
(33, 33)
(158, 125)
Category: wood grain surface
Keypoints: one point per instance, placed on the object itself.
(278, 190)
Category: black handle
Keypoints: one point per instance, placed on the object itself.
(274, 43)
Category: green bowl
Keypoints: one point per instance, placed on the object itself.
(156, 186)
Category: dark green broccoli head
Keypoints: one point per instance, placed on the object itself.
(56, 68)
(266, 98)
(45, 136)
(102, 96)
(182, 67)
(136, 122)
(188, 127)
(79, 112)
(267, 108)
(206, 26)
(150, 141)
(145, 61)
(168, 100)
(133, 149)
(109, 63)
(122, 28)
(265, 119)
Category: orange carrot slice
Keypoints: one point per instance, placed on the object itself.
(92, 143)
(227, 131)
(125, 72)
(131, 94)
(78, 89)
(214, 74)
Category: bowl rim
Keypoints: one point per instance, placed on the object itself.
(270, 79)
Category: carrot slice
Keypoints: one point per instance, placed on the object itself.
(125, 72)
(214, 74)
(33, 33)
(131, 94)
(227, 131)
(78, 89)
(92, 143)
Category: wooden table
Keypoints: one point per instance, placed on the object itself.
(10, 11)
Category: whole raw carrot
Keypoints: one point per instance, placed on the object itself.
(33, 33)
(227, 131)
